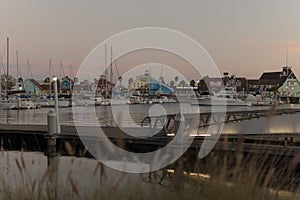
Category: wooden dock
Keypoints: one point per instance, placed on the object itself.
(33, 137)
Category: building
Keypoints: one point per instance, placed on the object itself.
(283, 83)
(239, 84)
(33, 87)
(103, 85)
(83, 86)
(149, 85)
(67, 85)
(252, 86)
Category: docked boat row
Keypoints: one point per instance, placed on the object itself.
(133, 99)
(17, 103)
(227, 97)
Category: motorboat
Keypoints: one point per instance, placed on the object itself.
(105, 102)
(47, 101)
(225, 97)
(258, 100)
(25, 103)
(165, 99)
(8, 104)
(17, 102)
(133, 99)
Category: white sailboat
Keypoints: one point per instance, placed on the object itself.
(7, 103)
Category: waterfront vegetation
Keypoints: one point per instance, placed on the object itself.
(222, 176)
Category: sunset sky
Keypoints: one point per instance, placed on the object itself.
(243, 37)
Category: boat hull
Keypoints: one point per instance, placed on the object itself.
(217, 102)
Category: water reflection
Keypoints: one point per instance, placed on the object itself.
(61, 175)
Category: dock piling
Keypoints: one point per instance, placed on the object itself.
(52, 127)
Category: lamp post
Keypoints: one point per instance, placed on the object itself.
(56, 105)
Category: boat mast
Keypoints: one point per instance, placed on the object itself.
(17, 57)
(62, 75)
(50, 64)
(0, 85)
(161, 78)
(111, 70)
(118, 74)
(29, 72)
(7, 66)
(105, 73)
(111, 63)
(286, 57)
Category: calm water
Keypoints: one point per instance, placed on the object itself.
(105, 115)
(18, 169)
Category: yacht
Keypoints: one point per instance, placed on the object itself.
(225, 97)
(17, 102)
(47, 101)
(8, 104)
(134, 99)
(165, 99)
(258, 100)
(25, 103)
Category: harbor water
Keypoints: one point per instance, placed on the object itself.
(105, 115)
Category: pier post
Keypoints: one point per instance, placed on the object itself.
(179, 126)
(51, 152)
(52, 128)
(56, 105)
(178, 146)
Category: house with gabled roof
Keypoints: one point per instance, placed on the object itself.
(67, 85)
(149, 85)
(290, 88)
(283, 83)
(31, 86)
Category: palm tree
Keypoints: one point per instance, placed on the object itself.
(20, 80)
(162, 80)
(202, 85)
(181, 83)
(130, 80)
(192, 83)
(176, 80)
(172, 83)
(47, 80)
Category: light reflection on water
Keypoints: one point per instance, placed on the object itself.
(105, 116)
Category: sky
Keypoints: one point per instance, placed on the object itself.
(243, 37)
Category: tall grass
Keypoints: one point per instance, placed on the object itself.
(228, 176)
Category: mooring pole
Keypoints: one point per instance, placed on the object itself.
(56, 105)
(179, 148)
(52, 127)
(51, 151)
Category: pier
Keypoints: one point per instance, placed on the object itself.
(281, 147)
(33, 137)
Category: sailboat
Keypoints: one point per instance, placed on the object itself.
(48, 100)
(117, 95)
(106, 101)
(7, 103)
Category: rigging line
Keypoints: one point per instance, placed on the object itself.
(115, 63)
(2, 64)
(51, 68)
(62, 69)
(29, 69)
(1, 58)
